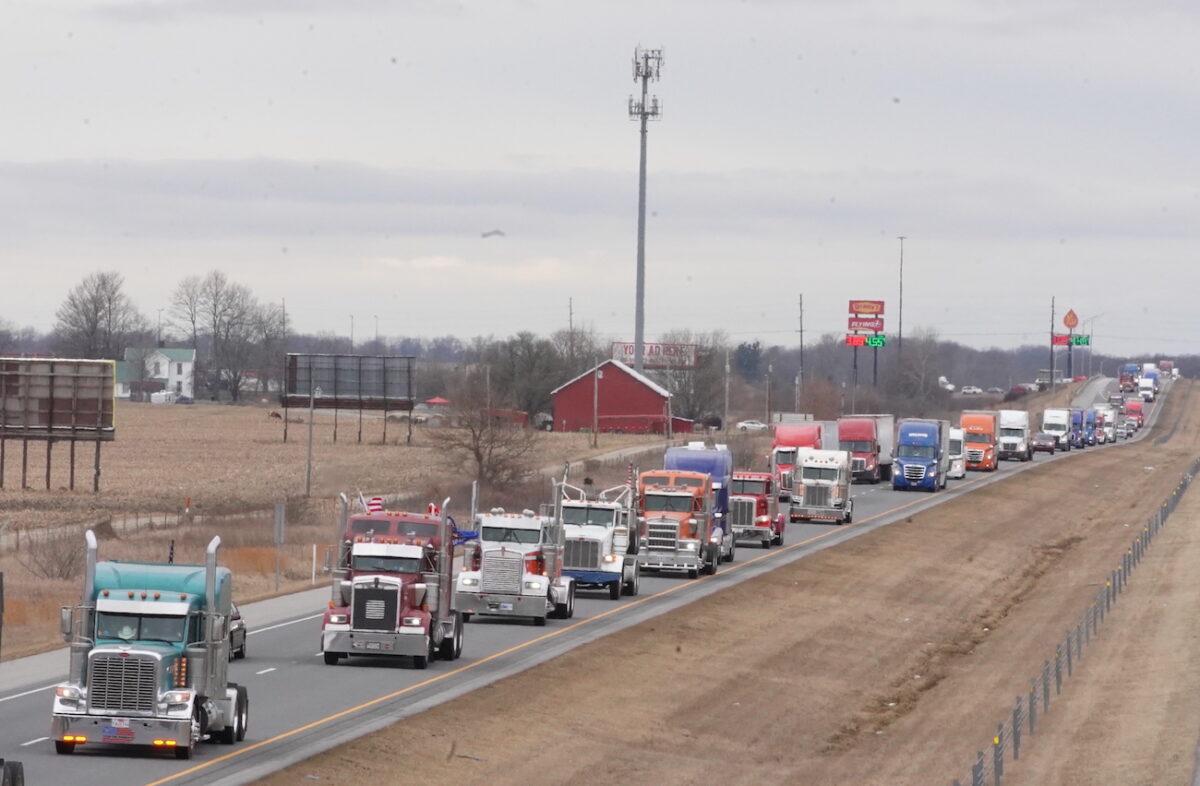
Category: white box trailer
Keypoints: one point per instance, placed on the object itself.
(1014, 435)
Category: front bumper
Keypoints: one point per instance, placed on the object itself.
(361, 642)
(594, 578)
(1011, 453)
(756, 532)
(492, 603)
(104, 729)
(819, 514)
(665, 560)
(899, 482)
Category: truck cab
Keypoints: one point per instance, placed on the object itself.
(958, 459)
(1015, 435)
(521, 569)
(981, 432)
(392, 592)
(859, 437)
(1135, 410)
(1127, 379)
(822, 492)
(754, 508)
(922, 455)
(717, 462)
(149, 650)
(1058, 423)
(675, 523)
(1078, 439)
(1089, 426)
(601, 539)
(788, 439)
(1146, 389)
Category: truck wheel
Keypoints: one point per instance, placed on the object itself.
(183, 751)
(423, 661)
(241, 651)
(331, 658)
(693, 573)
(539, 622)
(631, 586)
(244, 723)
(14, 774)
(451, 646)
(766, 542)
(732, 552)
(63, 748)
(230, 734)
(614, 590)
(466, 616)
(564, 611)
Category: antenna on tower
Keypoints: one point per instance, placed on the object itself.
(647, 66)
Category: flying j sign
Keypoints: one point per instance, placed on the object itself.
(873, 324)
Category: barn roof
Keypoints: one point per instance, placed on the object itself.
(645, 380)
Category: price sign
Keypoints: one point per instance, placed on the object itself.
(1081, 340)
(877, 340)
(855, 341)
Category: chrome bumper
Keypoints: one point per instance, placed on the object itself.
(818, 514)
(100, 729)
(500, 605)
(358, 642)
(679, 560)
(753, 533)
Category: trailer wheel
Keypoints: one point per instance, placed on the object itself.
(64, 748)
(331, 658)
(14, 774)
(614, 590)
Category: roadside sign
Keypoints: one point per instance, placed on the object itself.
(1081, 340)
(1071, 319)
(1060, 340)
(878, 340)
(868, 307)
(873, 324)
(657, 355)
(854, 340)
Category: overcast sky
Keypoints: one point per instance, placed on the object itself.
(347, 155)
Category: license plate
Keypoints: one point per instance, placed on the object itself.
(506, 607)
(120, 723)
(373, 645)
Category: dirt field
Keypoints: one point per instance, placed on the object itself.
(885, 660)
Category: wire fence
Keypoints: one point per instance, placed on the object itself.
(1022, 723)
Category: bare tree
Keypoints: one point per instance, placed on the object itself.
(97, 317)
(499, 451)
(697, 393)
(186, 304)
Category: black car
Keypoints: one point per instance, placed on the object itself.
(1044, 443)
(237, 635)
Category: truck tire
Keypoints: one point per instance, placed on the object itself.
(539, 622)
(63, 748)
(331, 658)
(244, 725)
(183, 751)
(766, 542)
(564, 611)
(732, 552)
(423, 661)
(614, 590)
(714, 559)
(233, 730)
(693, 573)
(631, 586)
(451, 646)
(14, 774)
(887, 472)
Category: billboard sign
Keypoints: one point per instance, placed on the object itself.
(52, 398)
(867, 307)
(873, 324)
(662, 356)
(348, 381)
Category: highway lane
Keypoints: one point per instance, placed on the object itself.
(300, 706)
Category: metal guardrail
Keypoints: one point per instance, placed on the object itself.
(988, 767)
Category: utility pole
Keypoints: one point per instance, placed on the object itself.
(900, 331)
(770, 371)
(376, 332)
(800, 373)
(596, 405)
(725, 417)
(647, 65)
(1052, 375)
(159, 340)
(571, 331)
(351, 334)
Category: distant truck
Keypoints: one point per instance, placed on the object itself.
(149, 650)
(520, 572)
(717, 462)
(788, 439)
(754, 512)
(1077, 434)
(1089, 426)
(922, 454)
(822, 490)
(675, 523)
(1108, 416)
(1135, 410)
(1166, 367)
(1128, 377)
(1058, 423)
(393, 589)
(958, 459)
(1155, 377)
(1146, 389)
(870, 440)
(601, 538)
(1015, 435)
(981, 432)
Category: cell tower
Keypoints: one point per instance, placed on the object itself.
(647, 65)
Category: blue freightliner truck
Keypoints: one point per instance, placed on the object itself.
(922, 455)
(717, 462)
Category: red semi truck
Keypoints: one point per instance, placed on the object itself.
(788, 439)
(754, 508)
(870, 440)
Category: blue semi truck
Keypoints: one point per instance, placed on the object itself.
(1089, 426)
(1077, 431)
(716, 462)
(922, 455)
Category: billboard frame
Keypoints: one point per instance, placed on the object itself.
(291, 397)
(654, 360)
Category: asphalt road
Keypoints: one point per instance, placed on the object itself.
(299, 706)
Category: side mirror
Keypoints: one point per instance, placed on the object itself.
(419, 594)
(237, 615)
(64, 620)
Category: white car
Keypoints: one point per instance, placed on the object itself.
(971, 390)
(752, 425)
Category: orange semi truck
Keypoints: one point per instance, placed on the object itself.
(981, 433)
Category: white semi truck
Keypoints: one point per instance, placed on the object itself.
(1014, 435)
(822, 486)
(1058, 423)
(958, 458)
(1146, 389)
(601, 544)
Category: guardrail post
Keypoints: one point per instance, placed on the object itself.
(1057, 669)
(1046, 686)
(1070, 668)
(977, 770)
(998, 753)
(1016, 729)
(1032, 706)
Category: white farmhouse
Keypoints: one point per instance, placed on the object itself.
(171, 370)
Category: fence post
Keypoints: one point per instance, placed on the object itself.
(1032, 706)
(998, 753)
(977, 770)
(1079, 641)
(1057, 669)
(1046, 686)
(1070, 667)
(1016, 727)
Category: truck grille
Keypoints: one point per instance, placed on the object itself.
(741, 512)
(858, 465)
(502, 573)
(374, 608)
(662, 535)
(974, 456)
(914, 473)
(582, 553)
(1011, 446)
(123, 683)
(817, 496)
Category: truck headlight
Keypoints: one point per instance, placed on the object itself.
(611, 557)
(412, 622)
(68, 693)
(470, 581)
(715, 537)
(177, 696)
(689, 546)
(533, 585)
(338, 619)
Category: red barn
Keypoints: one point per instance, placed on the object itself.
(629, 402)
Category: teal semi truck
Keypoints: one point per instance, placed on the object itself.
(149, 649)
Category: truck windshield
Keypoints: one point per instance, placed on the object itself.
(979, 438)
(365, 563)
(510, 535)
(600, 517)
(856, 445)
(140, 627)
(785, 456)
(746, 486)
(668, 503)
(1012, 432)
(955, 447)
(819, 473)
(917, 451)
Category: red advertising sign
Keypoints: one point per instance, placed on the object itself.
(1060, 340)
(874, 324)
(868, 307)
(1071, 320)
(855, 341)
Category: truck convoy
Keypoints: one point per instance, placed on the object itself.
(520, 569)
(922, 455)
(981, 432)
(716, 462)
(788, 439)
(822, 490)
(675, 523)
(958, 459)
(1015, 435)
(754, 509)
(149, 649)
(392, 589)
(869, 439)
(601, 541)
